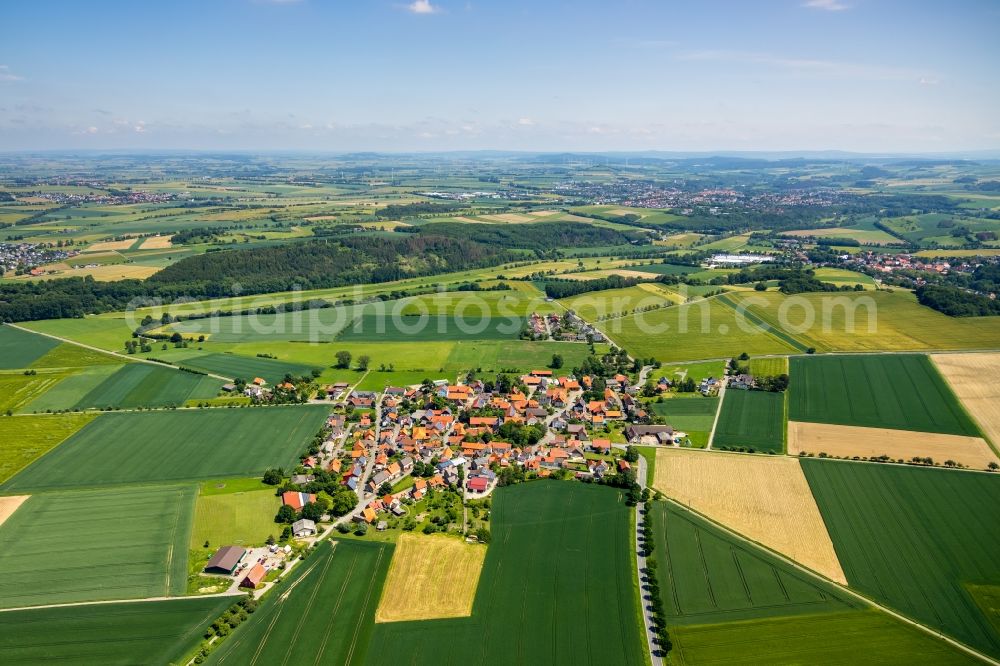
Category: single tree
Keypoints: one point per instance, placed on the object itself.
(343, 359)
(363, 362)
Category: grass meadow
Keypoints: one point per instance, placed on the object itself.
(95, 545)
(27, 438)
(532, 605)
(324, 615)
(147, 447)
(244, 367)
(915, 539)
(237, 518)
(898, 391)
(151, 632)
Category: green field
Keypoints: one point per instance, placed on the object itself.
(752, 419)
(151, 632)
(18, 389)
(694, 415)
(415, 328)
(143, 447)
(853, 637)
(95, 545)
(241, 518)
(324, 613)
(557, 588)
(664, 269)
(317, 325)
(842, 277)
(148, 385)
(19, 349)
(700, 330)
(75, 382)
(26, 438)
(868, 321)
(707, 576)
(245, 367)
(899, 391)
(914, 539)
(68, 355)
(769, 367)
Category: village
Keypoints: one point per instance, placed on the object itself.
(427, 457)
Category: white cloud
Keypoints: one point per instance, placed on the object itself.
(140, 127)
(927, 81)
(807, 66)
(5, 74)
(526, 122)
(422, 7)
(826, 5)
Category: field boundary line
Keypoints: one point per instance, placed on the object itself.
(105, 602)
(135, 359)
(843, 588)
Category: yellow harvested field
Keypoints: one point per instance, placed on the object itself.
(849, 441)
(460, 218)
(157, 243)
(543, 213)
(973, 379)
(9, 504)
(508, 217)
(111, 245)
(430, 577)
(765, 498)
(111, 273)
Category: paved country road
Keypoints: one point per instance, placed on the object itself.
(647, 615)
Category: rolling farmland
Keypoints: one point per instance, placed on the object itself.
(703, 329)
(529, 606)
(96, 545)
(899, 391)
(868, 321)
(324, 614)
(18, 349)
(830, 638)
(752, 419)
(414, 328)
(707, 576)
(147, 385)
(244, 367)
(914, 539)
(764, 498)
(148, 447)
(150, 632)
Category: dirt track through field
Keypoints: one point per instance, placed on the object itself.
(765, 498)
(973, 377)
(8, 505)
(430, 577)
(849, 441)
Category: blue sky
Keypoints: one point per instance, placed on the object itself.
(862, 75)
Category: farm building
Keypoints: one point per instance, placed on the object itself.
(653, 434)
(297, 500)
(225, 560)
(303, 528)
(254, 577)
(478, 484)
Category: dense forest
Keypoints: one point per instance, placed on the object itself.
(311, 265)
(956, 302)
(555, 288)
